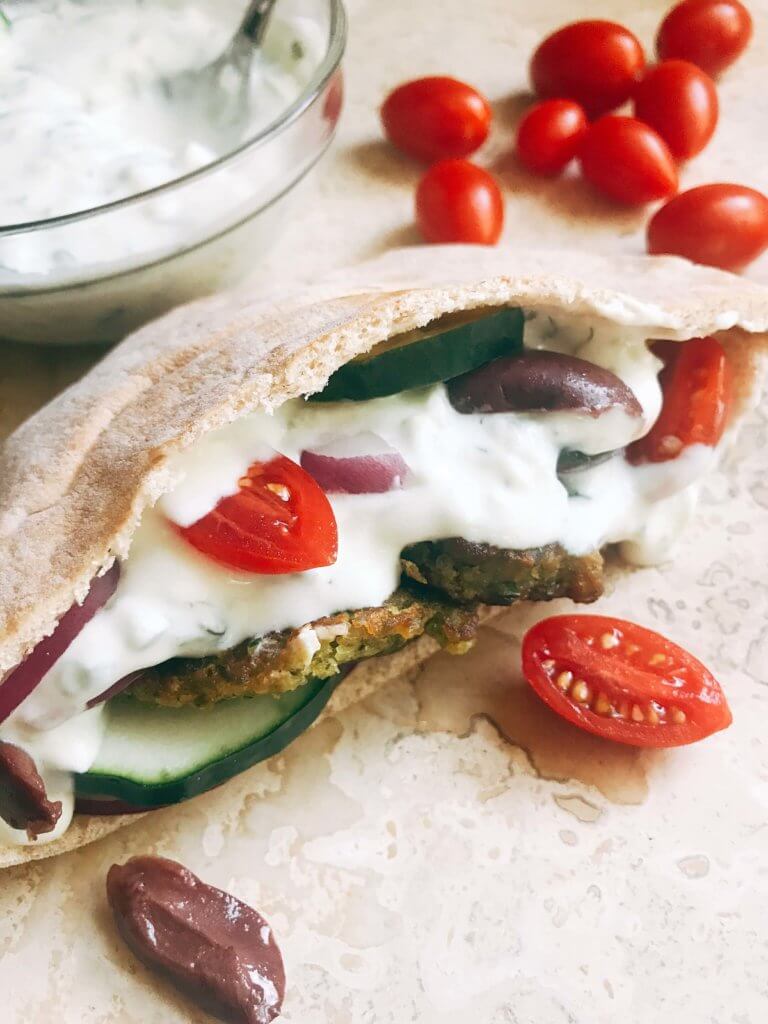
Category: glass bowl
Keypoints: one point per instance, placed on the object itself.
(224, 216)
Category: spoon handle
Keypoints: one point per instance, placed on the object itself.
(254, 24)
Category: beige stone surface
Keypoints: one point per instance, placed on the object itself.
(447, 851)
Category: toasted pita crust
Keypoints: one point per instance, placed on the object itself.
(75, 478)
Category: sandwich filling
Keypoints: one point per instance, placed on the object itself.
(477, 487)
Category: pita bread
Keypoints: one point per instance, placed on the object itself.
(75, 478)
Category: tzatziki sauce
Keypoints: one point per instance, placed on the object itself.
(87, 117)
(489, 478)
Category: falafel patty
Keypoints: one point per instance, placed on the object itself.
(480, 573)
(459, 574)
(282, 661)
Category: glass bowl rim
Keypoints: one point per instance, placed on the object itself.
(326, 68)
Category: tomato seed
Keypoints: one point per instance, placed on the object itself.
(581, 692)
(602, 705)
(564, 680)
(280, 490)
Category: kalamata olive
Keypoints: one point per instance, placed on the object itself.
(541, 381)
(215, 948)
(24, 803)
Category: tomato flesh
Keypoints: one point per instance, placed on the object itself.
(718, 225)
(435, 118)
(696, 385)
(549, 135)
(593, 62)
(679, 101)
(279, 521)
(709, 33)
(622, 681)
(457, 201)
(627, 161)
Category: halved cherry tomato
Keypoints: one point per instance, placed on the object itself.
(279, 521)
(622, 681)
(595, 63)
(709, 33)
(627, 161)
(457, 201)
(435, 118)
(719, 225)
(696, 384)
(679, 100)
(549, 135)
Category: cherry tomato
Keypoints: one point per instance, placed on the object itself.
(696, 385)
(709, 33)
(627, 160)
(595, 63)
(720, 225)
(549, 135)
(434, 118)
(679, 100)
(280, 521)
(623, 682)
(456, 201)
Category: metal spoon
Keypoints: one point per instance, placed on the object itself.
(214, 98)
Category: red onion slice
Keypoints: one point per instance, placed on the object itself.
(106, 806)
(23, 679)
(363, 464)
(115, 688)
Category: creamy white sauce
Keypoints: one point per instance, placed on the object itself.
(82, 84)
(487, 478)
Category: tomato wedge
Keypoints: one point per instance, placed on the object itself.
(622, 681)
(696, 383)
(279, 521)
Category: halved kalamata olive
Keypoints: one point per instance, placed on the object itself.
(24, 802)
(541, 381)
(214, 947)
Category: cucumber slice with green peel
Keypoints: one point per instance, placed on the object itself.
(452, 345)
(153, 756)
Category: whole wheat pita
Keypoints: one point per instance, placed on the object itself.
(76, 477)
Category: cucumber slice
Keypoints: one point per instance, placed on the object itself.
(153, 756)
(453, 345)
